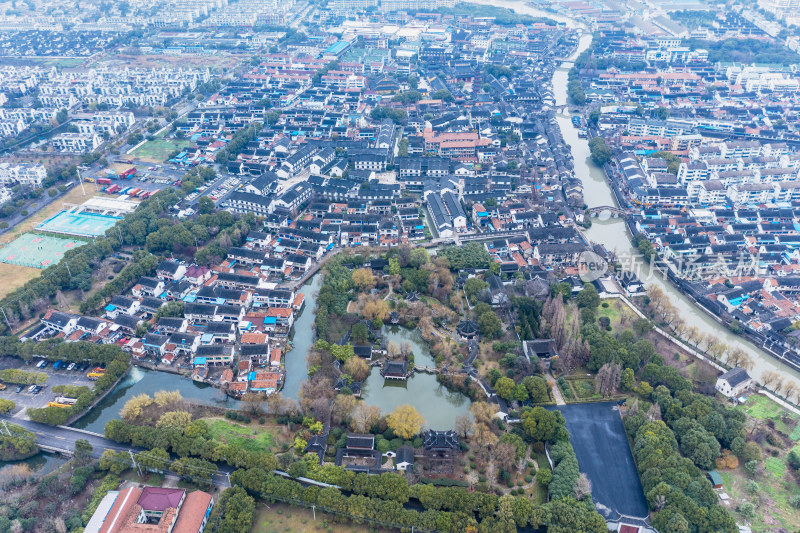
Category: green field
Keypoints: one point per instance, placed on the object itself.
(775, 465)
(158, 150)
(248, 438)
(762, 408)
(41, 61)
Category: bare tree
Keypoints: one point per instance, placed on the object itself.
(254, 403)
(790, 390)
(364, 417)
(61, 299)
(608, 378)
(321, 408)
(583, 487)
(463, 425)
(278, 404)
(769, 378)
(343, 406)
(505, 455)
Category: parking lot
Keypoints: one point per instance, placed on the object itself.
(25, 399)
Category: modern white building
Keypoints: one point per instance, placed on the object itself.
(25, 174)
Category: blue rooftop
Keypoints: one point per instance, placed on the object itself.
(337, 48)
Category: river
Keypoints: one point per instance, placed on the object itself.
(613, 234)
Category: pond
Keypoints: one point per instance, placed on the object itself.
(40, 464)
(143, 381)
(436, 404)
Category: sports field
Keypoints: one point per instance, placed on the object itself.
(37, 251)
(79, 224)
(157, 150)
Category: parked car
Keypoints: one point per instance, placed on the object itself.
(20, 388)
(71, 366)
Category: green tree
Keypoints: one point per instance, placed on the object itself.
(538, 389)
(490, 325)
(473, 286)
(6, 406)
(570, 516)
(628, 380)
(205, 205)
(83, 452)
(505, 388)
(394, 267)
(233, 513)
(600, 152)
(543, 425)
(115, 462)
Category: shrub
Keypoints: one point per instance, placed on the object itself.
(747, 510)
(794, 501)
(774, 439)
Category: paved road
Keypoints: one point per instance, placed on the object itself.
(557, 396)
(62, 438)
(34, 207)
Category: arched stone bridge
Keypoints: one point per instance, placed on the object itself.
(608, 211)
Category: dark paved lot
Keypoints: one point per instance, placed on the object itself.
(599, 439)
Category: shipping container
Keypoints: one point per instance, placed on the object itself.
(127, 174)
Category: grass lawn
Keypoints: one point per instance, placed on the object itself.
(252, 439)
(770, 497)
(583, 388)
(15, 276)
(538, 494)
(63, 62)
(152, 479)
(775, 465)
(157, 150)
(762, 408)
(617, 313)
(281, 517)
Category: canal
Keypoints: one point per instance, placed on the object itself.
(612, 233)
(142, 381)
(437, 405)
(295, 359)
(39, 465)
(614, 236)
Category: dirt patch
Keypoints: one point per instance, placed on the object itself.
(15, 276)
